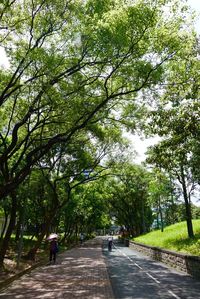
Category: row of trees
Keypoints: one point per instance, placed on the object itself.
(176, 120)
(78, 73)
(124, 193)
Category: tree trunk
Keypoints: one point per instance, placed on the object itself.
(18, 227)
(157, 216)
(21, 236)
(161, 214)
(172, 203)
(187, 206)
(143, 218)
(32, 252)
(4, 225)
(6, 240)
(18, 223)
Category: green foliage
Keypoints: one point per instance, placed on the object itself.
(71, 65)
(127, 193)
(79, 71)
(91, 209)
(174, 238)
(160, 195)
(1, 212)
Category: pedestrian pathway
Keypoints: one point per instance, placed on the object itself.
(78, 273)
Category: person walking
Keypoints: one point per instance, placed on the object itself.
(81, 238)
(53, 249)
(110, 243)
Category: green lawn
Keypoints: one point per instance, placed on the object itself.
(174, 238)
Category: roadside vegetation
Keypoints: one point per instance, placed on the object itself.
(76, 76)
(174, 238)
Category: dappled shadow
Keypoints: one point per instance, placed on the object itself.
(78, 273)
(130, 281)
(192, 263)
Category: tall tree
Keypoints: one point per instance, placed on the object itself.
(71, 63)
(159, 191)
(175, 118)
(175, 161)
(128, 194)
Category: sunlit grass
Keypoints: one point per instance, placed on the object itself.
(174, 238)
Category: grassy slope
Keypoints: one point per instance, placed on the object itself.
(174, 238)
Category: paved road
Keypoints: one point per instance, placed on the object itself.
(78, 273)
(134, 276)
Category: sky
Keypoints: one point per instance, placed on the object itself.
(139, 144)
(195, 4)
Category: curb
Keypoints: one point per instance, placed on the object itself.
(6, 282)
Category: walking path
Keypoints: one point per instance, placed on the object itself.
(78, 273)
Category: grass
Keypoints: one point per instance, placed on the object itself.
(174, 238)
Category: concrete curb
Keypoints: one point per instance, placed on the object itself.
(6, 282)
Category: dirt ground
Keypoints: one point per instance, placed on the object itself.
(10, 268)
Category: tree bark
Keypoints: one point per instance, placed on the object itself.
(161, 214)
(4, 225)
(6, 239)
(187, 205)
(143, 218)
(32, 252)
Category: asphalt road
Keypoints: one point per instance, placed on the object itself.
(134, 276)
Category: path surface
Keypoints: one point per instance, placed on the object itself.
(82, 273)
(134, 276)
(78, 273)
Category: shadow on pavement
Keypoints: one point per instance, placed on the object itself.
(78, 273)
(129, 277)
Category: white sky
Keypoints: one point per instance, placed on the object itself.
(195, 4)
(141, 145)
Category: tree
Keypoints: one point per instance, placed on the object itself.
(92, 210)
(71, 64)
(53, 179)
(175, 161)
(128, 198)
(75, 68)
(159, 195)
(175, 118)
(59, 175)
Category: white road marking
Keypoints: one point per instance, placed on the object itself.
(138, 266)
(157, 281)
(174, 295)
(152, 277)
(134, 263)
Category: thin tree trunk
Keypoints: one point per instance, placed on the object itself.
(32, 252)
(143, 218)
(161, 215)
(157, 216)
(4, 225)
(187, 206)
(19, 222)
(172, 202)
(6, 240)
(21, 236)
